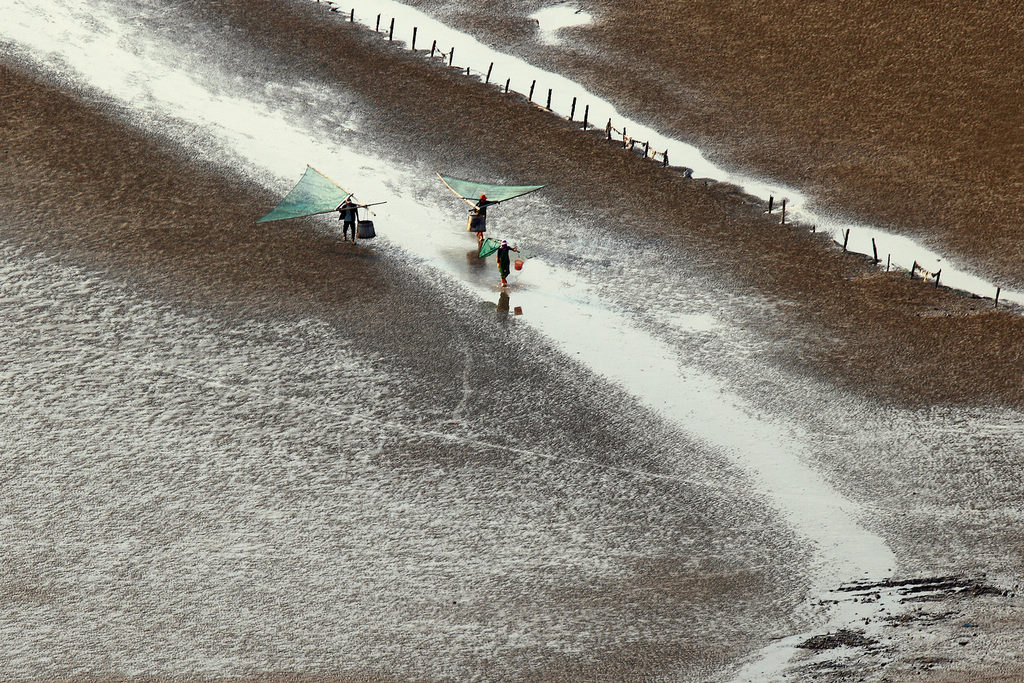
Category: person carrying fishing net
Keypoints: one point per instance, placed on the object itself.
(348, 213)
(504, 263)
(478, 216)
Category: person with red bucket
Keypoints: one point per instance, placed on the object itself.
(504, 261)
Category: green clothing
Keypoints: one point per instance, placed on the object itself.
(503, 261)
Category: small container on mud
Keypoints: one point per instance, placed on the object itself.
(518, 264)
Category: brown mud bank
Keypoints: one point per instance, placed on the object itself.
(905, 116)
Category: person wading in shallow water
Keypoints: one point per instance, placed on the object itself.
(480, 209)
(503, 261)
(348, 211)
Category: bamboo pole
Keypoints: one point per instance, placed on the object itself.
(488, 79)
(415, 29)
(572, 109)
(391, 31)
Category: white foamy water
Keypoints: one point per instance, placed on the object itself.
(551, 20)
(91, 44)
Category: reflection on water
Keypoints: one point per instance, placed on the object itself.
(474, 261)
(503, 306)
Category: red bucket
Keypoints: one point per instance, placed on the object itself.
(519, 264)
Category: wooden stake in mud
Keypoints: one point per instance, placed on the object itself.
(874, 249)
(572, 109)
(352, 15)
(783, 221)
(664, 158)
(433, 46)
(647, 147)
(378, 24)
(488, 79)
(414, 30)
(451, 56)
(771, 201)
(998, 289)
(846, 238)
(608, 129)
(913, 270)
(937, 278)
(507, 81)
(530, 96)
(586, 115)
(888, 260)
(391, 31)
(467, 70)
(548, 107)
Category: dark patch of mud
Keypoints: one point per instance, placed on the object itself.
(841, 638)
(924, 589)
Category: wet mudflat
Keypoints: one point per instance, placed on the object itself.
(902, 116)
(239, 450)
(333, 419)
